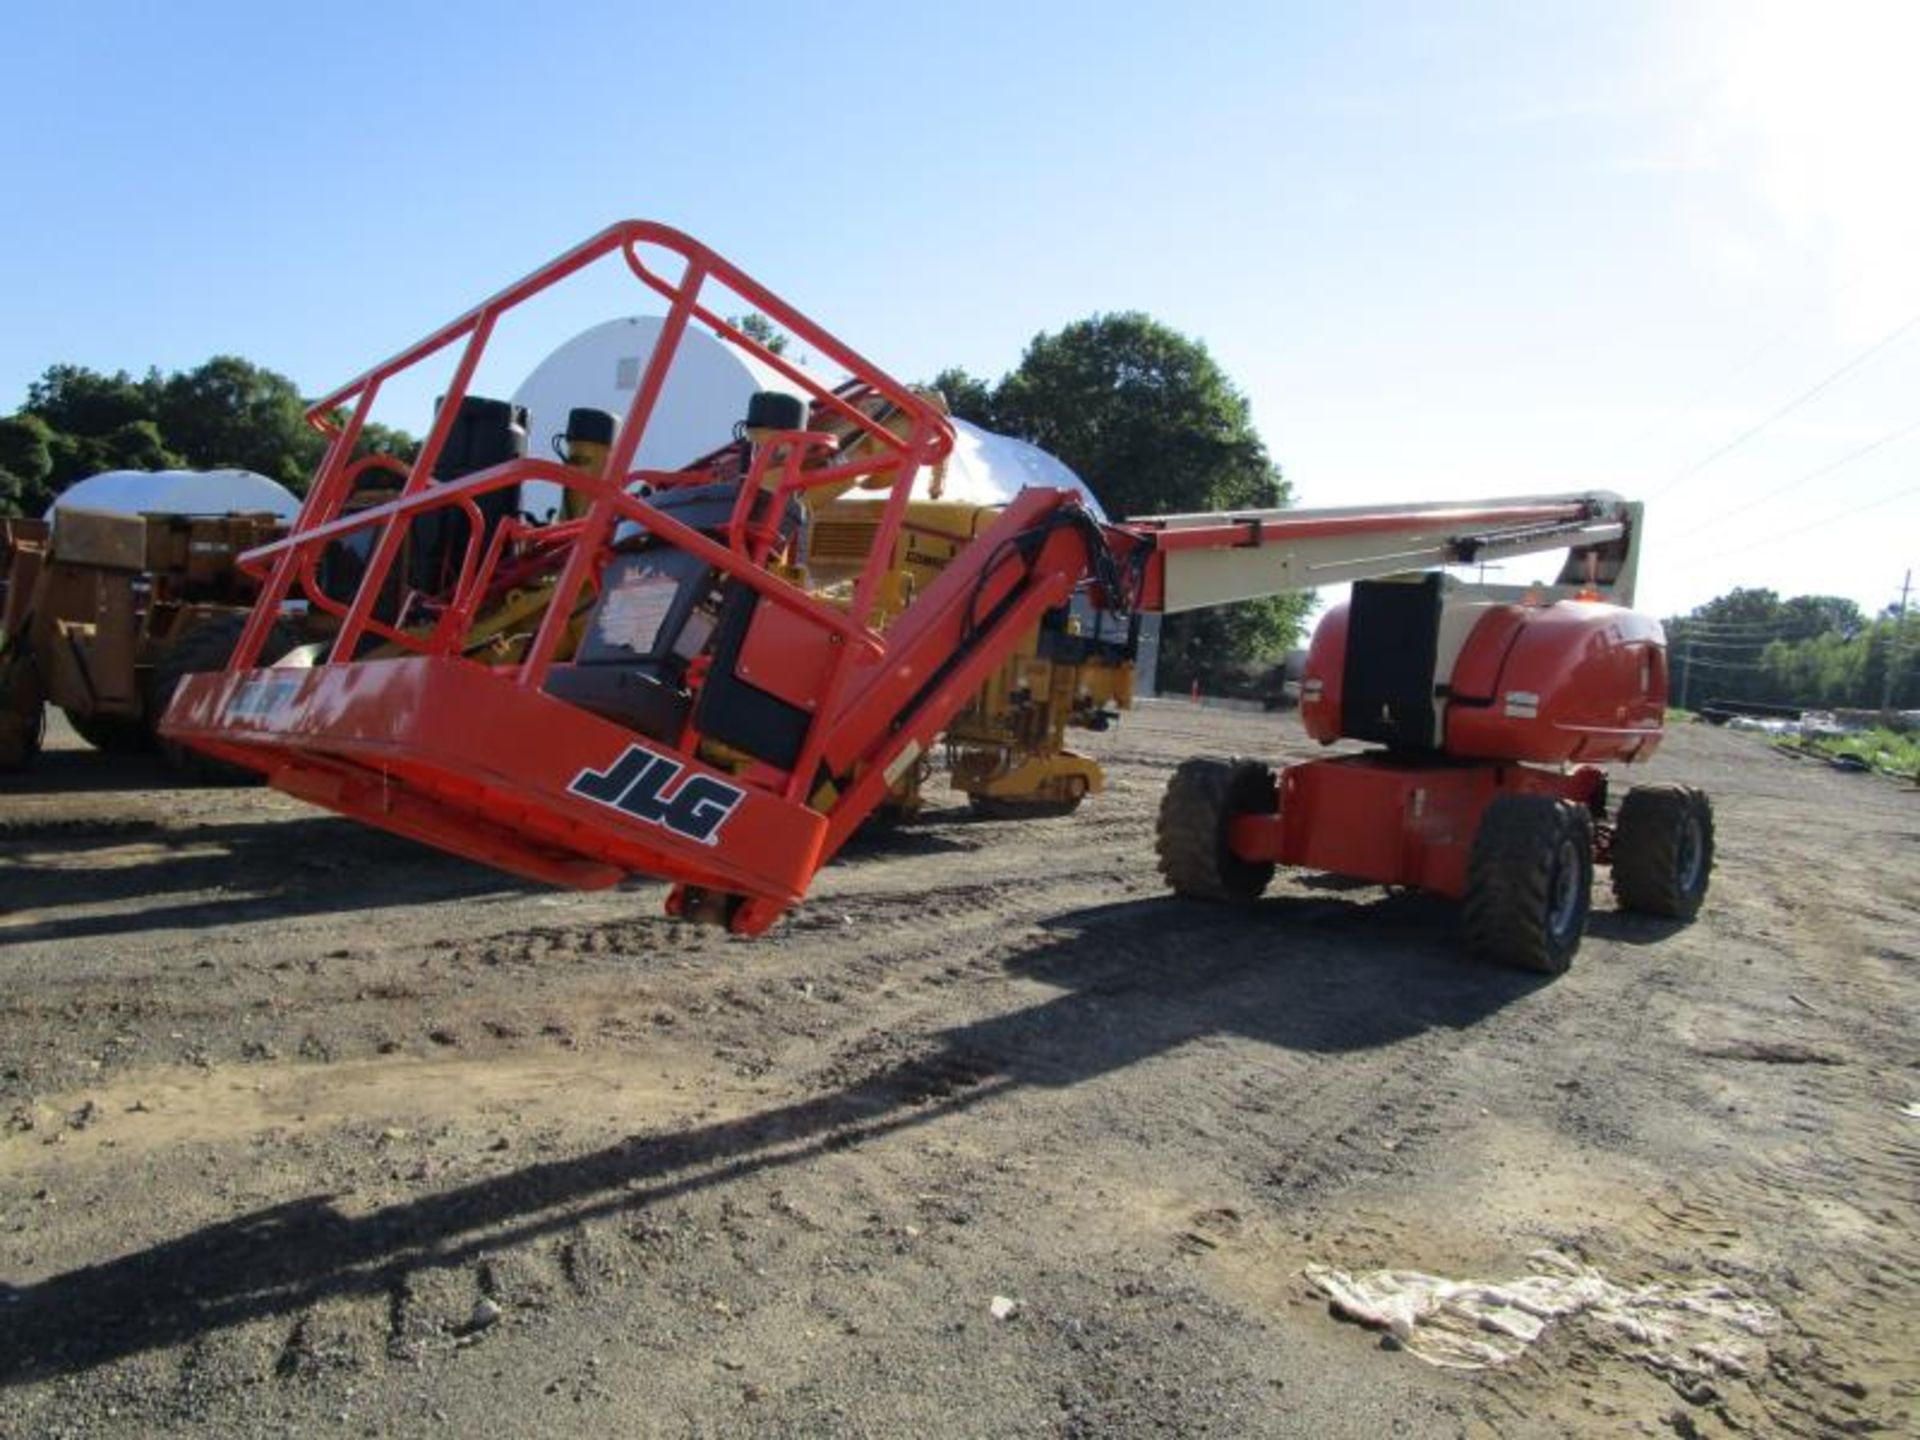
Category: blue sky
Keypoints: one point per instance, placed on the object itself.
(1446, 250)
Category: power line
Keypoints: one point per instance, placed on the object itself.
(1794, 404)
(1894, 646)
(1758, 642)
(1721, 386)
(1692, 660)
(1800, 530)
(1709, 633)
(1745, 627)
(1844, 460)
(1717, 388)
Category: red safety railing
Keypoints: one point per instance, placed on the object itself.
(910, 433)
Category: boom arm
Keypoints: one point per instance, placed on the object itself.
(1215, 559)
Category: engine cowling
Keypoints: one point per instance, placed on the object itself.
(1415, 665)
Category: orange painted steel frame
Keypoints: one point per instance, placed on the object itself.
(338, 728)
(480, 761)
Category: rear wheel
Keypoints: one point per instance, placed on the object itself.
(1663, 850)
(1530, 883)
(206, 647)
(1202, 798)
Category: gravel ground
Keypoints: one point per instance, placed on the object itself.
(308, 1130)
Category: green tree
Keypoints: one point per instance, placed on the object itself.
(75, 400)
(968, 397)
(1148, 419)
(26, 464)
(231, 412)
(387, 441)
(1716, 652)
(75, 457)
(1816, 614)
(374, 437)
(78, 422)
(1740, 607)
(1142, 413)
(1816, 650)
(137, 445)
(756, 326)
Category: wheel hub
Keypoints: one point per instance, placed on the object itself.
(1563, 891)
(1690, 855)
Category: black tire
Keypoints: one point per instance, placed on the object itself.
(1663, 850)
(1530, 883)
(1202, 797)
(115, 734)
(208, 646)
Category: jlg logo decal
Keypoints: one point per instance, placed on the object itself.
(643, 785)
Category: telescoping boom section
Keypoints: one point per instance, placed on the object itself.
(676, 700)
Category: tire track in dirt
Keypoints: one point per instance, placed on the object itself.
(1821, 1229)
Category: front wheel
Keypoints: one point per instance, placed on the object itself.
(1663, 850)
(1202, 798)
(1530, 883)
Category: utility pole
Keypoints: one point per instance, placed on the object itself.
(1686, 672)
(1894, 647)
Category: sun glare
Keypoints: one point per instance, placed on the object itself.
(1813, 111)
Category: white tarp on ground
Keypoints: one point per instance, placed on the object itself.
(178, 492)
(1692, 1330)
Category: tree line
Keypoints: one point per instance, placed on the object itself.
(225, 413)
(1819, 651)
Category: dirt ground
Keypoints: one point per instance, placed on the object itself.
(308, 1130)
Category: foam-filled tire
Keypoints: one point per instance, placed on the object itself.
(1663, 850)
(1529, 883)
(1202, 797)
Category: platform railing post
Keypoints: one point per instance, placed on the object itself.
(865, 589)
(322, 502)
(600, 514)
(391, 536)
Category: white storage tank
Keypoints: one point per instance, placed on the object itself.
(600, 369)
(706, 393)
(178, 492)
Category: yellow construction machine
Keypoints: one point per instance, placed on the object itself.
(1007, 748)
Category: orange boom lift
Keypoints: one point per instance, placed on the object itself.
(685, 705)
